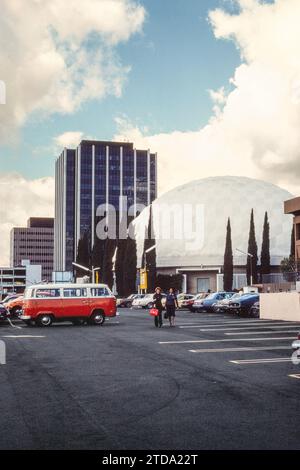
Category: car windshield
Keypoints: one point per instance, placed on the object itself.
(211, 296)
(236, 296)
(8, 298)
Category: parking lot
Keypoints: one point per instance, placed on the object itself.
(213, 382)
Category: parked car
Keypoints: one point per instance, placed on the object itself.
(296, 349)
(79, 303)
(3, 313)
(221, 306)
(184, 300)
(127, 301)
(207, 304)
(242, 306)
(254, 310)
(11, 296)
(189, 303)
(146, 301)
(14, 305)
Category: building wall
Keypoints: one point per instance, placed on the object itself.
(15, 279)
(96, 173)
(33, 244)
(280, 306)
(207, 279)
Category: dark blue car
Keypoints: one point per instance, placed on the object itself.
(207, 304)
(242, 306)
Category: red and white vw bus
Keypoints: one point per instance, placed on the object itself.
(79, 303)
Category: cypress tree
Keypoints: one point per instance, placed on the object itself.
(83, 255)
(97, 256)
(107, 265)
(252, 249)
(119, 267)
(292, 250)
(228, 260)
(129, 266)
(151, 256)
(265, 262)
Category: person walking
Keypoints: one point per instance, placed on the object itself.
(171, 304)
(157, 298)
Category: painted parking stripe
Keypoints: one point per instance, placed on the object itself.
(227, 340)
(272, 360)
(295, 376)
(247, 323)
(22, 336)
(262, 332)
(264, 348)
(234, 328)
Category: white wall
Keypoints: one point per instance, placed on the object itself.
(33, 274)
(280, 306)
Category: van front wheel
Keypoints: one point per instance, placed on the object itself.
(98, 318)
(44, 320)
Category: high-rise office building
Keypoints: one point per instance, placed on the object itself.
(97, 173)
(34, 243)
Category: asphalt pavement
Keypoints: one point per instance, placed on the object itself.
(212, 382)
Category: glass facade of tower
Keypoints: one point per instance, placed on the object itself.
(96, 173)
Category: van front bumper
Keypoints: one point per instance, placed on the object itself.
(25, 317)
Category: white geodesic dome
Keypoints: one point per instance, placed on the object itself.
(189, 221)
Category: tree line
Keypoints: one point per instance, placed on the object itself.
(265, 259)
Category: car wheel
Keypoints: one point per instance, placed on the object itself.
(97, 318)
(256, 314)
(44, 320)
(150, 305)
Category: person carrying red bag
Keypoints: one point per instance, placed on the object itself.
(157, 298)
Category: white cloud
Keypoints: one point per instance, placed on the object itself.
(20, 199)
(68, 139)
(55, 55)
(254, 129)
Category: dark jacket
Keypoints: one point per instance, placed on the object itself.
(171, 300)
(158, 301)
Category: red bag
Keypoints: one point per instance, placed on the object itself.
(154, 312)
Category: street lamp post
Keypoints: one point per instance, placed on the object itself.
(251, 263)
(92, 271)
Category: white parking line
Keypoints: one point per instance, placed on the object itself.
(21, 336)
(294, 376)
(271, 360)
(263, 332)
(226, 340)
(273, 326)
(265, 348)
(247, 323)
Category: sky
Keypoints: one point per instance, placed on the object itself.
(212, 86)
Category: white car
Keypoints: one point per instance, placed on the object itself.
(146, 301)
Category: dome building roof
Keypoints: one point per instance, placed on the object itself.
(196, 215)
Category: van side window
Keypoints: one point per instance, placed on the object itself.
(99, 292)
(71, 292)
(47, 293)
